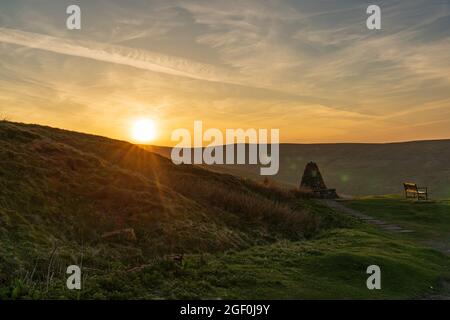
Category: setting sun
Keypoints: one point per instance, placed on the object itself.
(143, 130)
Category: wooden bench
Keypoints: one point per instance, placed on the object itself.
(415, 192)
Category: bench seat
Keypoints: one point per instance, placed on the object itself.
(415, 192)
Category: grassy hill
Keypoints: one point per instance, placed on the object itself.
(429, 219)
(61, 191)
(361, 169)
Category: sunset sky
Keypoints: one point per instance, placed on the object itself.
(310, 68)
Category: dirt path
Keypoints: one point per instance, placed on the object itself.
(335, 205)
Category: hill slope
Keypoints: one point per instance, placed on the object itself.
(55, 177)
(64, 190)
(60, 191)
(361, 169)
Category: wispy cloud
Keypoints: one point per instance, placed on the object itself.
(141, 59)
(149, 61)
(306, 66)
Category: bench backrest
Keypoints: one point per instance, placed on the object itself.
(410, 187)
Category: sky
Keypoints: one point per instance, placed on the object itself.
(309, 68)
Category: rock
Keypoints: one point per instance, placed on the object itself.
(178, 258)
(120, 235)
(312, 180)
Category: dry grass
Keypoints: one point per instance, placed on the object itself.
(66, 185)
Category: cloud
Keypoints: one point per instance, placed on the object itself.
(301, 64)
(149, 61)
(324, 49)
(141, 59)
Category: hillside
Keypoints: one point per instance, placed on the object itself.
(51, 175)
(65, 189)
(361, 169)
(61, 191)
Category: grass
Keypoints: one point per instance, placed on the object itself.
(429, 219)
(331, 266)
(328, 267)
(60, 191)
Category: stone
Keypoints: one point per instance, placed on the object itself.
(120, 235)
(312, 180)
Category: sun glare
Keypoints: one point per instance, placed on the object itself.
(143, 130)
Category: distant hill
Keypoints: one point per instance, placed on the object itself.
(361, 169)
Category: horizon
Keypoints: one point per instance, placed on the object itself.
(237, 153)
(281, 143)
(311, 69)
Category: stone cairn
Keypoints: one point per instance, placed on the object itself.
(312, 180)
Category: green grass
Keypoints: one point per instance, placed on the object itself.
(429, 219)
(60, 191)
(332, 266)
